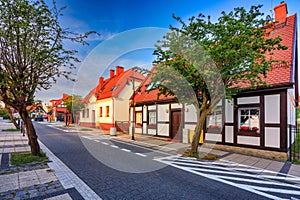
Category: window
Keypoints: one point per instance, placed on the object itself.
(87, 113)
(101, 112)
(114, 87)
(83, 113)
(215, 119)
(152, 118)
(152, 86)
(249, 120)
(139, 118)
(107, 111)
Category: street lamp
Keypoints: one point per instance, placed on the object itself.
(133, 108)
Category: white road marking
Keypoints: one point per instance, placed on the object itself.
(139, 154)
(237, 173)
(213, 177)
(96, 140)
(114, 146)
(282, 191)
(105, 143)
(127, 150)
(265, 182)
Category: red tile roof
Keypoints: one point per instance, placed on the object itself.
(56, 102)
(114, 85)
(281, 74)
(143, 96)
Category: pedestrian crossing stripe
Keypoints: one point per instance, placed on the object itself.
(266, 183)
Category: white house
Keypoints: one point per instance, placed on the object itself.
(108, 102)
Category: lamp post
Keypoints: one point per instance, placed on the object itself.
(133, 111)
(133, 106)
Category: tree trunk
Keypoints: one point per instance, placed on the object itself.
(198, 130)
(33, 142)
(12, 119)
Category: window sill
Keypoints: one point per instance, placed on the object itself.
(214, 130)
(152, 126)
(249, 133)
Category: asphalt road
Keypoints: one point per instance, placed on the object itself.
(116, 170)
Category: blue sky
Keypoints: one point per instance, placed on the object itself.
(128, 31)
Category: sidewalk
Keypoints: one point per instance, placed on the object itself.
(35, 180)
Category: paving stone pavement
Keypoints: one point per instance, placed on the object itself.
(33, 180)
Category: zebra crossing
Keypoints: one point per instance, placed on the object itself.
(266, 183)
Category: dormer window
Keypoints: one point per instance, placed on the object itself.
(114, 87)
(152, 86)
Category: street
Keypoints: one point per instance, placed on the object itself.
(116, 170)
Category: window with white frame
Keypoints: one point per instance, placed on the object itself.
(249, 119)
(214, 120)
(152, 117)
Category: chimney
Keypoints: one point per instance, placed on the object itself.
(101, 82)
(111, 73)
(281, 12)
(119, 70)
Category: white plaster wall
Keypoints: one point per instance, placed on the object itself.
(144, 128)
(138, 130)
(272, 108)
(104, 103)
(91, 107)
(213, 137)
(140, 108)
(291, 112)
(152, 131)
(248, 100)
(190, 126)
(229, 134)
(163, 129)
(162, 116)
(191, 114)
(145, 113)
(229, 110)
(272, 137)
(255, 141)
(176, 105)
(152, 107)
(121, 110)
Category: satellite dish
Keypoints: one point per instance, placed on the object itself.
(268, 18)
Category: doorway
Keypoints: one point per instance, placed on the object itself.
(176, 125)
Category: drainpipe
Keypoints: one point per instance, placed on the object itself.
(113, 130)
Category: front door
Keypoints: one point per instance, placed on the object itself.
(176, 125)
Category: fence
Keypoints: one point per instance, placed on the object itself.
(294, 135)
(122, 126)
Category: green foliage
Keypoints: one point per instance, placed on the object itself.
(209, 56)
(202, 62)
(19, 158)
(74, 103)
(33, 52)
(12, 130)
(4, 113)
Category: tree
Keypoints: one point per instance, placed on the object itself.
(33, 54)
(202, 62)
(73, 104)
